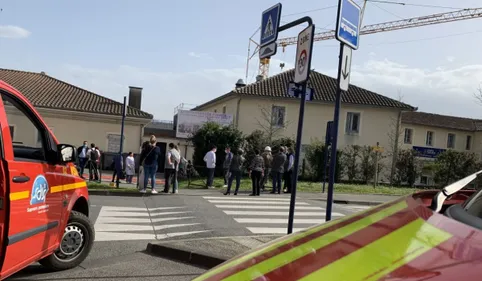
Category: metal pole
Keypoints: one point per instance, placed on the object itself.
(336, 118)
(294, 179)
(124, 108)
(325, 163)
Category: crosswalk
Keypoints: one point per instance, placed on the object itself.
(269, 215)
(134, 223)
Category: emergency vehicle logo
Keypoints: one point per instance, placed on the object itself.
(39, 190)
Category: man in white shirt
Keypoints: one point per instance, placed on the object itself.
(210, 159)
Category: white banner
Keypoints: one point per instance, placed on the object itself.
(188, 122)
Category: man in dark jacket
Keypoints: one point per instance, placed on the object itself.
(227, 165)
(235, 169)
(277, 170)
(289, 163)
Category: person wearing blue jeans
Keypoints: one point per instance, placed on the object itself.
(149, 156)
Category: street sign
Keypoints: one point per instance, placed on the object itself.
(294, 89)
(270, 21)
(303, 54)
(345, 68)
(348, 23)
(268, 50)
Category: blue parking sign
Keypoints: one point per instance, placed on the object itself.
(270, 21)
(348, 23)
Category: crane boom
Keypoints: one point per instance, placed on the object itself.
(465, 14)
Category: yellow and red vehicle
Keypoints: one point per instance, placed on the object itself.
(431, 235)
(43, 202)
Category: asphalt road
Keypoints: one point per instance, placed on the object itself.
(124, 226)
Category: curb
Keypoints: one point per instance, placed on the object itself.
(117, 193)
(185, 255)
(354, 202)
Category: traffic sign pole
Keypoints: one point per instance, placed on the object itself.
(302, 71)
(334, 142)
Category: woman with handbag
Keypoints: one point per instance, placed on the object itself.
(148, 160)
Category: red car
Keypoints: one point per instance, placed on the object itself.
(432, 235)
(44, 205)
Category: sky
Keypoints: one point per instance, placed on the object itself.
(193, 51)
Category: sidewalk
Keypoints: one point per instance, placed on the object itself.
(207, 252)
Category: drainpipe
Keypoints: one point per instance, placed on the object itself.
(237, 112)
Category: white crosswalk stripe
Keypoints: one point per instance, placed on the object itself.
(133, 223)
(265, 215)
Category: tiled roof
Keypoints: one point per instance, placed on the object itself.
(44, 91)
(442, 121)
(325, 88)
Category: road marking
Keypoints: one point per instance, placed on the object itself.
(255, 202)
(267, 207)
(105, 227)
(297, 214)
(278, 221)
(269, 230)
(131, 223)
(159, 227)
(246, 198)
(121, 236)
(176, 234)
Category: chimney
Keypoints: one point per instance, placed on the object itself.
(259, 78)
(135, 97)
(43, 73)
(240, 83)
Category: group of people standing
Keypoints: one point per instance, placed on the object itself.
(265, 166)
(90, 157)
(150, 154)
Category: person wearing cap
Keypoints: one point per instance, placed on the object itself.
(235, 170)
(268, 159)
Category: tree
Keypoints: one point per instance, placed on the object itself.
(451, 166)
(408, 167)
(349, 160)
(271, 124)
(255, 140)
(315, 155)
(395, 140)
(214, 134)
(368, 162)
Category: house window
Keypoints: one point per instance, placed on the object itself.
(224, 109)
(278, 115)
(424, 180)
(408, 136)
(352, 123)
(12, 132)
(468, 143)
(451, 141)
(429, 140)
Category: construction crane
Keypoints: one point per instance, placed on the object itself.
(465, 14)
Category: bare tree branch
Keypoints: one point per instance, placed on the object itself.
(395, 138)
(478, 94)
(268, 124)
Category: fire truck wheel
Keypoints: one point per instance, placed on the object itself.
(75, 245)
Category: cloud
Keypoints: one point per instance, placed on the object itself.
(450, 58)
(199, 55)
(162, 91)
(13, 32)
(440, 90)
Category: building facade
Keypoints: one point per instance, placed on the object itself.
(431, 134)
(365, 116)
(75, 114)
